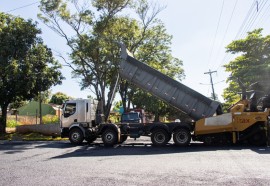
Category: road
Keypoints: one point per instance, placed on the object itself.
(60, 163)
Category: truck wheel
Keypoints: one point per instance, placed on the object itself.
(258, 139)
(76, 136)
(181, 137)
(160, 137)
(109, 137)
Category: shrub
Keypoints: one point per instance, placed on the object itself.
(49, 119)
(12, 123)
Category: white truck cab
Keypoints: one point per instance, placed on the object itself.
(78, 116)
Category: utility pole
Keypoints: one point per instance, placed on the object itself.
(211, 81)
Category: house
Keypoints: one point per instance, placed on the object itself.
(32, 109)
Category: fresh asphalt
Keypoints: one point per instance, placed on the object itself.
(132, 163)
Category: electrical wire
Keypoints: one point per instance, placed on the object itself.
(243, 25)
(245, 20)
(265, 15)
(226, 31)
(249, 27)
(214, 40)
(258, 12)
(22, 7)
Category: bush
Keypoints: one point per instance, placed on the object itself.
(12, 123)
(50, 119)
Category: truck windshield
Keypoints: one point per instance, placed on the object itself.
(130, 117)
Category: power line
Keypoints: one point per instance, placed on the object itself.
(22, 7)
(227, 28)
(214, 40)
(261, 20)
(252, 20)
(245, 20)
(239, 33)
(259, 12)
(256, 11)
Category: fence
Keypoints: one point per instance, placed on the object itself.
(33, 120)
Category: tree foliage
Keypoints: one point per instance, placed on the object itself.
(97, 25)
(59, 98)
(27, 65)
(251, 66)
(43, 97)
(93, 53)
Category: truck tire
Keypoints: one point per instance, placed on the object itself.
(160, 137)
(258, 139)
(109, 137)
(76, 136)
(181, 137)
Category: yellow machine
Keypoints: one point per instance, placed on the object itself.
(239, 125)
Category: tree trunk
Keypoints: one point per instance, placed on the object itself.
(156, 117)
(40, 110)
(123, 93)
(3, 120)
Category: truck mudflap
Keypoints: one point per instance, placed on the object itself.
(165, 88)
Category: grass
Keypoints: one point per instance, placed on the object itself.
(30, 120)
(29, 137)
(15, 136)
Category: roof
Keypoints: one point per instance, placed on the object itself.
(32, 108)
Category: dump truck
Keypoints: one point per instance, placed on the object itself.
(80, 119)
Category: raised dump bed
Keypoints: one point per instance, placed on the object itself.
(196, 105)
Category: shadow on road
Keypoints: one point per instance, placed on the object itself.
(96, 150)
(13, 147)
(126, 149)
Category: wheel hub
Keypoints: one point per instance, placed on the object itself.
(75, 136)
(109, 137)
(182, 137)
(159, 137)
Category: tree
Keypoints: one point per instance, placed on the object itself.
(27, 66)
(151, 45)
(17, 104)
(43, 97)
(94, 53)
(252, 65)
(150, 104)
(59, 98)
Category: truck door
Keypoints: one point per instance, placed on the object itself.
(69, 115)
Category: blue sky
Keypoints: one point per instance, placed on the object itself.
(200, 29)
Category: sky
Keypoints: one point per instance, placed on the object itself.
(201, 30)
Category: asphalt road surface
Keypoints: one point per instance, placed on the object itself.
(139, 163)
